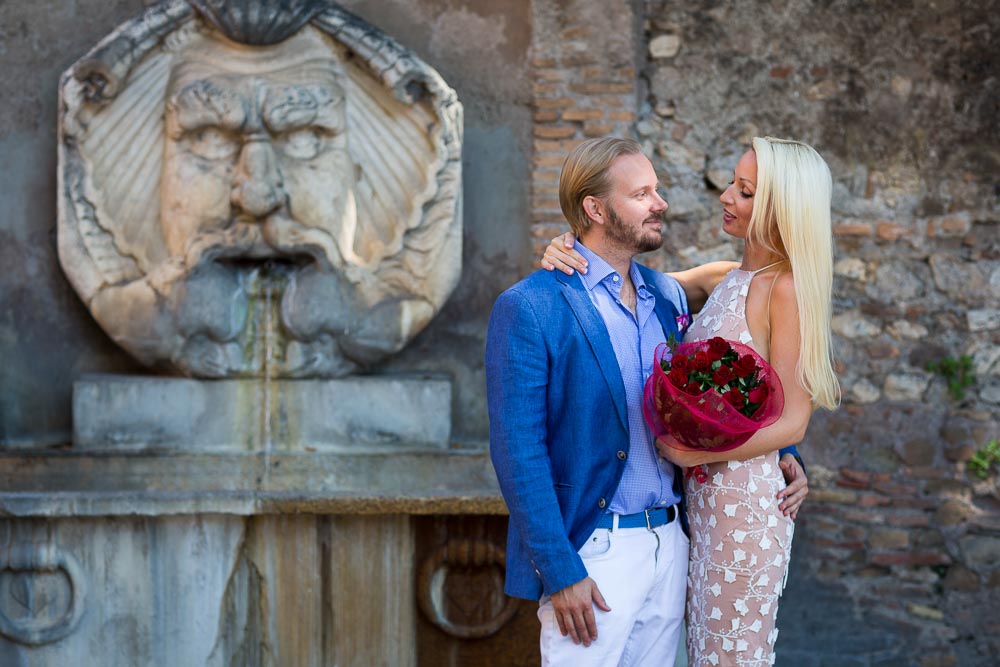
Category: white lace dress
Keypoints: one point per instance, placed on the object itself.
(740, 541)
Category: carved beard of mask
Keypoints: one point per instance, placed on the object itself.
(282, 318)
(270, 317)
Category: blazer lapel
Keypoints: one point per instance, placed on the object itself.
(597, 335)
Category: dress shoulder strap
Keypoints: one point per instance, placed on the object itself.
(765, 268)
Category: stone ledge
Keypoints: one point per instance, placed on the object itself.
(160, 503)
(414, 482)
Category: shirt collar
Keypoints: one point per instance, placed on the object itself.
(598, 270)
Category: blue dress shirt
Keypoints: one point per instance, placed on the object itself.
(647, 480)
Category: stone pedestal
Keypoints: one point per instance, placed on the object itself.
(158, 539)
(140, 413)
(304, 559)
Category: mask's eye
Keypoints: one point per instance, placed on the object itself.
(212, 143)
(302, 144)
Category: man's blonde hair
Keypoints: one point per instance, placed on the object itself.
(585, 174)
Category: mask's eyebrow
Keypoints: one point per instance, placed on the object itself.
(291, 107)
(205, 104)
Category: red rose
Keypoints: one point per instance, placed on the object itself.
(735, 398)
(678, 377)
(744, 366)
(693, 388)
(701, 362)
(717, 347)
(680, 361)
(758, 394)
(723, 376)
(697, 473)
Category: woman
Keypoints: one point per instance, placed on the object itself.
(777, 300)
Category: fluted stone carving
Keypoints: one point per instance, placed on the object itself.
(258, 188)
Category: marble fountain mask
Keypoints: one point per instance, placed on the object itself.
(240, 210)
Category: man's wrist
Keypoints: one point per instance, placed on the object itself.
(794, 454)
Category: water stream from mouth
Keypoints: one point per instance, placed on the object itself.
(266, 285)
(267, 354)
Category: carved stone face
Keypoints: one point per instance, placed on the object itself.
(288, 210)
(257, 187)
(256, 150)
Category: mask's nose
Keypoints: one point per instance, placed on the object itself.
(258, 188)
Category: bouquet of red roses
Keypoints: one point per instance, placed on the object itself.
(711, 395)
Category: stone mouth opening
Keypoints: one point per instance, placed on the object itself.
(272, 265)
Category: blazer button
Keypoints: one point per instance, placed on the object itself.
(601, 503)
(622, 455)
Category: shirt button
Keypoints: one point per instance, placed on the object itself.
(615, 277)
(621, 455)
(601, 503)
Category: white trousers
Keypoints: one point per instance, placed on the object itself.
(643, 577)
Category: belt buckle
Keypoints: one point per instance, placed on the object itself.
(649, 526)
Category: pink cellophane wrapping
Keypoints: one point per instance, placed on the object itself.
(706, 421)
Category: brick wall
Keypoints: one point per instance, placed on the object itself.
(584, 64)
(897, 552)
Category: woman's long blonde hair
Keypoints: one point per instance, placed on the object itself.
(791, 217)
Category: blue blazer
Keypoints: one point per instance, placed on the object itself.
(558, 420)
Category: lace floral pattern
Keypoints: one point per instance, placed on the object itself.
(724, 313)
(740, 541)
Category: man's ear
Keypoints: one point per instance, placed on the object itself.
(594, 208)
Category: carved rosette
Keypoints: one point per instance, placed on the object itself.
(42, 594)
(258, 188)
(460, 589)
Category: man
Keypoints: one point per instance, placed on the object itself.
(595, 514)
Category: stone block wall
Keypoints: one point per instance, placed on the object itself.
(897, 557)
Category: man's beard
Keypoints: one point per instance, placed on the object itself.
(636, 240)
